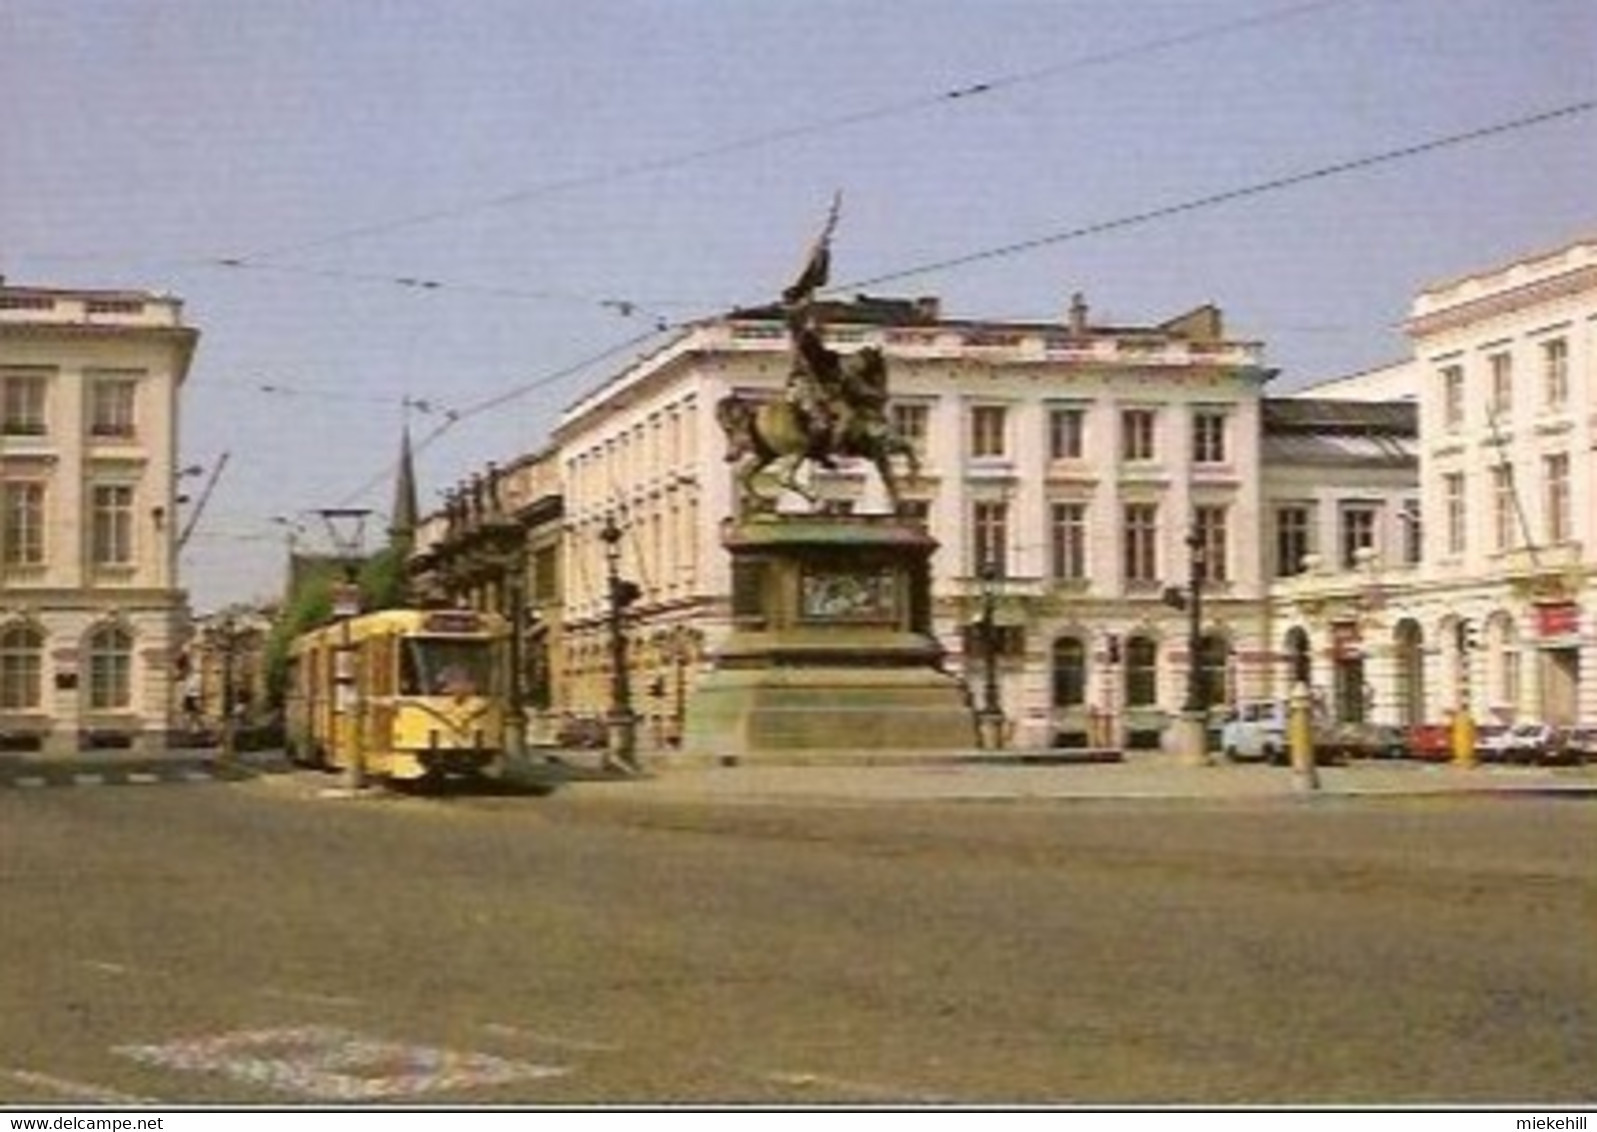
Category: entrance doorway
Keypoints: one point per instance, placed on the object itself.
(1410, 690)
(1560, 685)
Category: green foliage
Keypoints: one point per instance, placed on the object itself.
(382, 580)
(382, 586)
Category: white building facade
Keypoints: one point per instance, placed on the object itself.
(90, 609)
(1075, 459)
(1495, 617)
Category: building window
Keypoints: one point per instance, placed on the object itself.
(1452, 398)
(1358, 532)
(1142, 672)
(990, 528)
(1067, 434)
(1136, 434)
(112, 531)
(111, 401)
(1413, 532)
(1141, 534)
(21, 663)
(1214, 669)
(1503, 507)
(22, 404)
(1555, 372)
(910, 423)
(1210, 525)
(918, 512)
(1208, 438)
(1070, 672)
(987, 427)
(1501, 365)
(1555, 472)
(546, 574)
(22, 524)
(1068, 541)
(1453, 507)
(1292, 540)
(110, 669)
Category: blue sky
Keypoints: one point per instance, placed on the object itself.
(571, 174)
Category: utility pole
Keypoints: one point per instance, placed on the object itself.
(622, 724)
(516, 608)
(990, 720)
(1190, 733)
(346, 527)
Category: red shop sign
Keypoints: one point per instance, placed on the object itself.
(1558, 620)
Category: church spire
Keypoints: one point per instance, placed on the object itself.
(402, 518)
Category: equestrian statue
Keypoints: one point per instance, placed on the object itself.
(834, 408)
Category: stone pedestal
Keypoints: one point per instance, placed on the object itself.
(831, 655)
(1188, 738)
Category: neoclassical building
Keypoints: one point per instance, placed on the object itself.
(1495, 613)
(1073, 459)
(90, 610)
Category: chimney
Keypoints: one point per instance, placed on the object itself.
(1078, 315)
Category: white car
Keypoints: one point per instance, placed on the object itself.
(1533, 743)
(1491, 743)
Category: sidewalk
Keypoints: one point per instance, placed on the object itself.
(1139, 776)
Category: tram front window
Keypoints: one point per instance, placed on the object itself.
(433, 667)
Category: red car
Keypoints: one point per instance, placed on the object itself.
(1432, 742)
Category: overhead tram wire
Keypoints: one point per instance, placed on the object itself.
(1019, 247)
(964, 93)
(453, 417)
(1257, 189)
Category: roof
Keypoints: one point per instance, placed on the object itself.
(1339, 449)
(1328, 417)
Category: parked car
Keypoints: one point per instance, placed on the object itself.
(1532, 743)
(1580, 743)
(1432, 742)
(1491, 743)
(1257, 731)
(1369, 740)
(582, 732)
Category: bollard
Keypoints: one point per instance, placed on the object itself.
(1464, 739)
(1300, 738)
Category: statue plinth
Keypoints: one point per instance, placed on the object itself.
(831, 655)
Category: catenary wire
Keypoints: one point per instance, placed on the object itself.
(918, 104)
(1019, 247)
(1213, 199)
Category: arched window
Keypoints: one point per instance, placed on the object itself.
(1214, 661)
(1142, 672)
(21, 653)
(1070, 672)
(110, 669)
(1410, 673)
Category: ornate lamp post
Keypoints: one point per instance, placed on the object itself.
(990, 719)
(1197, 699)
(1189, 736)
(622, 724)
(516, 611)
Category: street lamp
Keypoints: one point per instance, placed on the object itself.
(990, 720)
(1190, 733)
(622, 726)
(1197, 700)
(516, 609)
(346, 529)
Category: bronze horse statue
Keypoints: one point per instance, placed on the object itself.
(763, 433)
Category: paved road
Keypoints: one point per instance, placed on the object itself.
(266, 942)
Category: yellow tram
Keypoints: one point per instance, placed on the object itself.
(410, 693)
